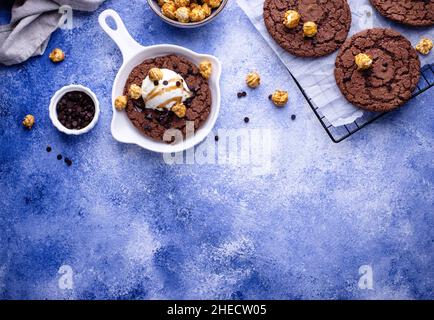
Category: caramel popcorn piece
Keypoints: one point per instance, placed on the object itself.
(280, 98)
(206, 9)
(253, 80)
(121, 103)
(197, 14)
(205, 69)
(169, 9)
(363, 61)
(29, 121)
(155, 74)
(182, 14)
(162, 2)
(182, 3)
(292, 19)
(135, 91)
(213, 3)
(424, 46)
(310, 29)
(179, 109)
(57, 55)
(194, 5)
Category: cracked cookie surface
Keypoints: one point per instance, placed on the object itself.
(410, 12)
(154, 123)
(333, 18)
(394, 74)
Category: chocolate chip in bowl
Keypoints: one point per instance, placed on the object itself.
(74, 110)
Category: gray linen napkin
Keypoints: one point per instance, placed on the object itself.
(32, 23)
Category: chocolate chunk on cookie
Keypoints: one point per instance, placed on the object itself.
(154, 123)
(390, 80)
(332, 17)
(410, 12)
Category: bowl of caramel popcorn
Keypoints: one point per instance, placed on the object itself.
(187, 13)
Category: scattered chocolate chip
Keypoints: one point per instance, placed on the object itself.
(155, 83)
(165, 82)
(178, 84)
(48, 149)
(239, 95)
(270, 97)
(216, 138)
(246, 119)
(293, 117)
(244, 94)
(59, 157)
(68, 162)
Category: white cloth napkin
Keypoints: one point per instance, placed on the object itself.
(316, 76)
(32, 23)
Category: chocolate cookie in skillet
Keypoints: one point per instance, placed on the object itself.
(171, 92)
(409, 12)
(308, 28)
(377, 70)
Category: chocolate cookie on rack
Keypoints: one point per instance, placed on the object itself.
(377, 70)
(410, 12)
(308, 28)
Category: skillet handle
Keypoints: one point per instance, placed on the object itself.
(120, 35)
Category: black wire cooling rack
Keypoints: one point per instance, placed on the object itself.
(339, 134)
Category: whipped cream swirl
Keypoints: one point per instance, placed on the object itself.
(165, 93)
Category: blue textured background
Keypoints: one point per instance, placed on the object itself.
(131, 226)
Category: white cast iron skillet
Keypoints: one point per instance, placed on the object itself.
(133, 54)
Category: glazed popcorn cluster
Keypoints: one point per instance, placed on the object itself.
(186, 11)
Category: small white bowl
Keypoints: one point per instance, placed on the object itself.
(55, 100)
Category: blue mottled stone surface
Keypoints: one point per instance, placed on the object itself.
(130, 226)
